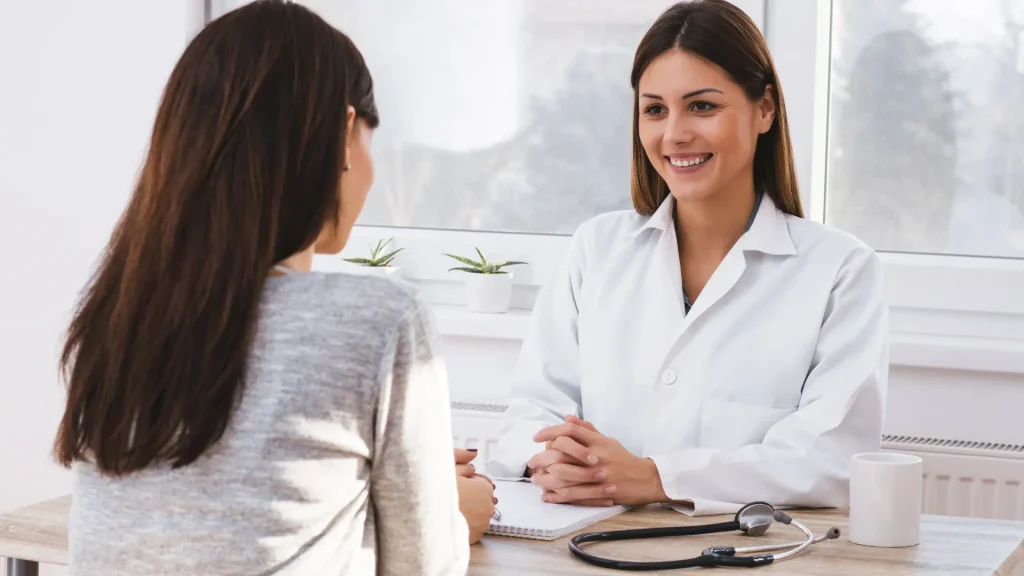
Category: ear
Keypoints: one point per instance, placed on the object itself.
(766, 110)
(350, 127)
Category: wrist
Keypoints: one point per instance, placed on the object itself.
(655, 489)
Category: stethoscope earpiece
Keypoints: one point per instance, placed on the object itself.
(754, 519)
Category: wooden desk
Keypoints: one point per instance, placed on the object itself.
(960, 546)
(35, 534)
(949, 545)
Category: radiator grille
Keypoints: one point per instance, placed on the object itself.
(948, 446)
(482, 408)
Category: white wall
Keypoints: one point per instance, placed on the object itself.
(80, 84)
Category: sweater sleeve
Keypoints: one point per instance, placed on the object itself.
(420, 530)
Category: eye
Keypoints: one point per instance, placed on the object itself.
(654, 110)
(703, 106)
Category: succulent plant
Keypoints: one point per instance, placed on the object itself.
(377, 259)
(482, 266)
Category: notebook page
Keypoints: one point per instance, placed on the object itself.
(525, 515)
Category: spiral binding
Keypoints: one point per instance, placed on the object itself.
(517, 532)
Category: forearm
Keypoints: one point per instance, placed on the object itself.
(756, 472)
(419, 527)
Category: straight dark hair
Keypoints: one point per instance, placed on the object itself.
(724, 35)
(243, 170)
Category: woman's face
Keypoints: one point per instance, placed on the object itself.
(355, 184)
(697, 126)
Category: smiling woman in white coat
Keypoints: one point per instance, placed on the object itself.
(710, 347)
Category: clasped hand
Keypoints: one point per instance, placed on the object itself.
(582, 466)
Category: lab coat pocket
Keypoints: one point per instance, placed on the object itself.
(729, 425)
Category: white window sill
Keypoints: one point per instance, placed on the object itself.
(932, 324)
(458, 321)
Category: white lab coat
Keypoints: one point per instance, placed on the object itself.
(763, 391)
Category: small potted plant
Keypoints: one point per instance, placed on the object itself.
(379, 263)
(488, 285)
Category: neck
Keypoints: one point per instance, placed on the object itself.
(713, 224)
(299, 262)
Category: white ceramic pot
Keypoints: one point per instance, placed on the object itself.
(385, 271)
(488, 293)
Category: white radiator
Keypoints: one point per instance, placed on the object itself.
(477, 426)
(961, 478)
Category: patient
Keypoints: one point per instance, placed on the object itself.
(229, 411)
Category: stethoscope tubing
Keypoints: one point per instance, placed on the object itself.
(706, 560)
(665, 532)
(773, 547)
(723, 556)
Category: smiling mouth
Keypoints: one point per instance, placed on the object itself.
(687, 162)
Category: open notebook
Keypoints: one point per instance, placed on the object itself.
(525, 515)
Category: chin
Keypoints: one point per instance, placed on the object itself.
(691, 187)
(690, 191)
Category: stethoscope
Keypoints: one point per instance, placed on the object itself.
(753, 520)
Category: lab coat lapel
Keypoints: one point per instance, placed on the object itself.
(767, 233)
(660, 300)
(723, 279)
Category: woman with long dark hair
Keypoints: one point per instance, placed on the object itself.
(721, 348)
(229, 411)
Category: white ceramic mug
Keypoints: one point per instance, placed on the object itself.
(885, 499)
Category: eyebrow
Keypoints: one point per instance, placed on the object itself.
(686, 96)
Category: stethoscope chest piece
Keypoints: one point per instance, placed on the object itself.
(754, 519)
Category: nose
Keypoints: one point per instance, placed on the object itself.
(679, 130)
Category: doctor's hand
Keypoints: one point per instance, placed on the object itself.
(592, 468)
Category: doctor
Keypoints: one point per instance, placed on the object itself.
(721, 348)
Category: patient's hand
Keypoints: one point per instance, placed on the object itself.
(476, 502)
(463, 466)
(476, 495)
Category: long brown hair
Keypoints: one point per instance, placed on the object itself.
(243, 170)
(723, 34)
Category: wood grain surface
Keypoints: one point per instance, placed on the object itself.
(949, 545)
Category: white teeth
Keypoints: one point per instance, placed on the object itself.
(689, 162)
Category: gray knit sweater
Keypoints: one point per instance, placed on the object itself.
(338, 459)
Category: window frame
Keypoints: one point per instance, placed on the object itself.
(946, 312)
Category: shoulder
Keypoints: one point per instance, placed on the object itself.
(813, 238)
(612, 224)
(349, 302)
(850, 260)
(607, 230)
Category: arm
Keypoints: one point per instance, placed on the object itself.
(804, 458)
(419, 527)
(546, 384)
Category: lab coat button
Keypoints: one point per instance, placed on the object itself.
(668, 376)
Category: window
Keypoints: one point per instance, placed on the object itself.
(498, 115)
(506, 124)
(926, 131)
